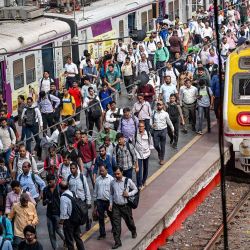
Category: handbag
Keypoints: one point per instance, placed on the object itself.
(133, 200)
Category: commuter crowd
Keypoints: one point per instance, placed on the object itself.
(171, 82)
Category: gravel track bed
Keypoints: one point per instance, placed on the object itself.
(199, 228)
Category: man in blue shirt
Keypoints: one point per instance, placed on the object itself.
(31, 182)
(106, 160)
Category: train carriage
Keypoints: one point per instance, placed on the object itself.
(236, 109)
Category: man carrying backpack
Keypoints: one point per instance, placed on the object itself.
(45, 82)
(125, 156)
(32, 120)
(94, 111)
(31, 182)
(69, 218)
(47, 109)
(79, 186)
(205, 100)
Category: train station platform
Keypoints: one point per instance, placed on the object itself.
(171, 194)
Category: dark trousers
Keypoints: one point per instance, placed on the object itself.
(29, 131)
(159, 137)
(102, 207)
(53, 228)
(77, 117)
(147, 124)
(160, 67)
(217, 107)
(142, 175)
(92, 122)
(16, 241)
(128, 173)
(128, 81)
(72, 233)
(48, 121)
(197, 39)
(119, 212)
(174, 137)
(203, 111)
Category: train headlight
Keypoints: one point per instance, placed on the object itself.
(243, 118)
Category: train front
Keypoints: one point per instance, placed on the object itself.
(236, 109)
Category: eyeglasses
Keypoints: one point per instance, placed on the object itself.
(26, 166)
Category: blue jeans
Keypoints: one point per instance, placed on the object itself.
(6, 156)
(203, 111)
(53, 228)
(142, 175)
(88, 172)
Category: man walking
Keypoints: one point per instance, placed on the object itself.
(51, 199)
(71, 230)
(101, 198)
(160, 122)
(119, 205)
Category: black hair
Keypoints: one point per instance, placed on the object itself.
(14, 184)
(42, 94)
(127, 109)
(50, 177)
(118, 168)
(21, 97)
(30, 99)
(30, 229)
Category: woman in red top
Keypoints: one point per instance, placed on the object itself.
(52, 162)
(75, 91)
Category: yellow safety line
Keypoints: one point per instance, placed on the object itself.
(151, 179)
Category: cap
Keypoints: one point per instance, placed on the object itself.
(106, 125)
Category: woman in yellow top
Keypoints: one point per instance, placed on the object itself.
(68, 105)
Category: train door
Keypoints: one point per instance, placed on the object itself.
(48, 59)
(131, 21)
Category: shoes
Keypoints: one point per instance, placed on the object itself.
(134, 235)
(209, 130)
(161, 162)
(185, 131)
(199, 132)
(174, 145)
(171, 141)
(116, 245)
(193, 129)
(101, 237)
(88, 225)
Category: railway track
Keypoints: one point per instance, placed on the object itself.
(203, 229)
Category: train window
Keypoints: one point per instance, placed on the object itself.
(241, 89)
(244, 62)
(30, 68)
(18, 74)
(66, 51)
(121, 28)
(144, 20)
(150, 20)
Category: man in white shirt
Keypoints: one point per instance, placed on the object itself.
(188, 97)
(121, 52)
(172, 72)
(151, 47)
(45, 82)
(72, 71)
(160, 122)
(166, 89)
(207, 31)
(113, 115)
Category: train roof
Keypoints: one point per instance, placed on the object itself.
(32, 32)
(101, 10)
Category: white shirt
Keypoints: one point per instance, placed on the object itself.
(151, 47)
(120, 54)
(207, 32)
(143, 145)
(224, 49)
(45, 84)
(54, 137)
(161, 120)
(71, 69)
(110, 118)
(84, 64)
(172, 73)
(188, 95)
(166, 90)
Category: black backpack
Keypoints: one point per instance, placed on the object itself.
(173, 112)
(30, 116)
(79, 212)
(95, 109)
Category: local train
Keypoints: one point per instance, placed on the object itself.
(28, 48)
(236, 108)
